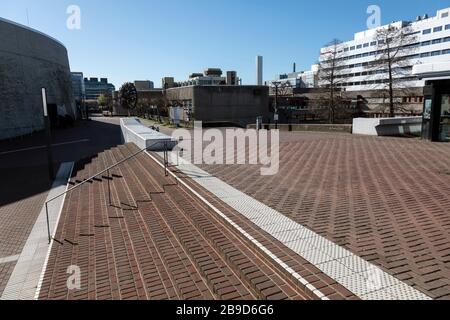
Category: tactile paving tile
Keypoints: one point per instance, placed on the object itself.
(356, 263)
(281, 227)
(293, 235)
(357, 284)
(336, 251)
(299, 246)
(316, 257)
(380, 295)
(403, 292)
(379, 278)
(335, 270)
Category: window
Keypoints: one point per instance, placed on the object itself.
(447, 27)
(427, 31)
(374, 43)
(437, 29)
(352, 48)
(446, 51)
(359, 46)
(426, 43)
(346, 49)
(444, 15)
(366, 45)
(436, 41)
(435, 53)
(447, 39)
(426, 54)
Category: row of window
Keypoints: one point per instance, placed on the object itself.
(370, 73)
(369, 82)
(434, 53)
(436, 29)
(373, 53)
(374, 43)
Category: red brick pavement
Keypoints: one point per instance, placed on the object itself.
(384, 199)
(159, 242)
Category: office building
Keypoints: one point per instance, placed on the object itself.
(78, 88)
(432, 44)
(144, 85)
(298, 80)
(94, 88)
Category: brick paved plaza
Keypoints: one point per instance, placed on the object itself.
(384, 199)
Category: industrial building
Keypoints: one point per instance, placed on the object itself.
(30, 61)
(209, 77)
(221, 104)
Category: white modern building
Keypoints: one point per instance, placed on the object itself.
(210, 77)
(298, 80)
(432, 45)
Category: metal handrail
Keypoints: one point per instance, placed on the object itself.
(100, 173)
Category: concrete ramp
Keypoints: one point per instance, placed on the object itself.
(133, 131)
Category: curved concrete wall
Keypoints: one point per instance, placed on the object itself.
(30, 60)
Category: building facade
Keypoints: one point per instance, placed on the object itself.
(142, 85)
(94, 88)
(222, 104)
(298, 80)
(30, 61)
(431, 45)
(209, 77)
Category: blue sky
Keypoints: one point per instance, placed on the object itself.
(149, 39)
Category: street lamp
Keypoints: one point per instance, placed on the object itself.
(48, 134)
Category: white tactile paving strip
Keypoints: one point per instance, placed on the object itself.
(364, 279)
(26, 277)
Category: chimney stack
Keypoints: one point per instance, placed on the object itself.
(259, 70)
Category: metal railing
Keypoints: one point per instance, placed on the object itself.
(109, 178)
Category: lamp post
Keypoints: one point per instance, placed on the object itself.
(48, 135)
(276, 84)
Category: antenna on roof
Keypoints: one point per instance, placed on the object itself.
(28, 18)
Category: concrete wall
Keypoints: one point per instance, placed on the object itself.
(133, 131)
(239, 105)
(30, 60)
(387, 126)
(337, 128)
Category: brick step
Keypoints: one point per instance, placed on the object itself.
(251, 270)
(214, 270)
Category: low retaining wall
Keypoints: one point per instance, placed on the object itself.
(387, 126)
(342, 128)
(135, 132)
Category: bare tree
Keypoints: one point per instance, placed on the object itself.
(331, 75)
(395, 45)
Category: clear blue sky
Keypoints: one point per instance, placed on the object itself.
(148, 39)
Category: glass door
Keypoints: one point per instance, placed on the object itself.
(444, 128)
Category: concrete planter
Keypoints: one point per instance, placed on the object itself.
(387, 126)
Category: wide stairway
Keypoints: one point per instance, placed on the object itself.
(154, 241)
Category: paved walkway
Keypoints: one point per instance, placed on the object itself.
(383, 199)
(24, 182)
(159, 241)
(364, 279)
